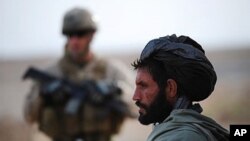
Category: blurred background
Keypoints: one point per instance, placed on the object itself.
(30, 35)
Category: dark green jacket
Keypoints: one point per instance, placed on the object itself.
(188, 125)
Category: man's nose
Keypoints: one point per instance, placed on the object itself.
(73, 38)
(136, 95)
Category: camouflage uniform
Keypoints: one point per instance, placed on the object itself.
(96, 123)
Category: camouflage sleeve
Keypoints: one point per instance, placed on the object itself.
(119, 73)
(33, 104)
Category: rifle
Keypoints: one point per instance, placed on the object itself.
(55, 90)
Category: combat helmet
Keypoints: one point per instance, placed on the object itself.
(78, 20)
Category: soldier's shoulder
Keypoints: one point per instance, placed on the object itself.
(100, 60)
(54, 69)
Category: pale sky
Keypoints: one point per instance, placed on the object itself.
(32, 28)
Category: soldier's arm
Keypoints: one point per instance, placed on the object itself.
(119, 72)
(124, 77)
(33, 104)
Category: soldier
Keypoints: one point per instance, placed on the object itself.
(172, 73)
(94, 123)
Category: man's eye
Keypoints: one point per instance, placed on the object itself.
(143, 85)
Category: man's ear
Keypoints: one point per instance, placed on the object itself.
(171, 90)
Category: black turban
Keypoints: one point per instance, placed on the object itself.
(186, 59)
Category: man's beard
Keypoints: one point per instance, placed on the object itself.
(157, 111)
